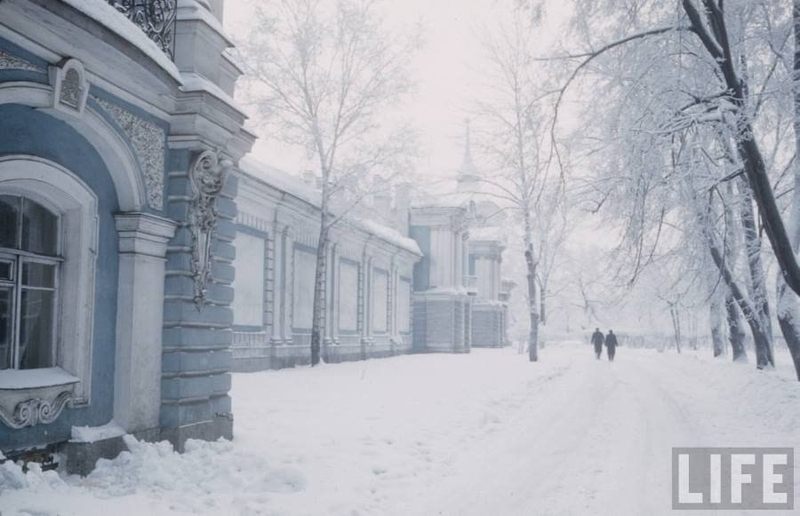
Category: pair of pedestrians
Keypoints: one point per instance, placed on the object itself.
(609, 340)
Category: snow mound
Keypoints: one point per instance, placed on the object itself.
(12, 478)
(204, 474)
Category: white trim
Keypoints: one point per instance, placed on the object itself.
(59, 189)
(140, 317)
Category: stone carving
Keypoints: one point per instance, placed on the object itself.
(70, 86)
(207, 177)
(11, 62)
(71, 89)
(36, 411)
(148, 142)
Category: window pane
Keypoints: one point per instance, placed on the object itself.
(39, 229)
(9, 221)
(6, 297)
(36, 329)
(38, 275)
(6, 270)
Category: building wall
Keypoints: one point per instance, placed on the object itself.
(32, 133)
(121, 120)
(368, 309)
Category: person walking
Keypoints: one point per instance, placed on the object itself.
(611, 345)
(597, 340)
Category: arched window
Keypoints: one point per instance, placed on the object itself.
(29, 272)
(48, 251)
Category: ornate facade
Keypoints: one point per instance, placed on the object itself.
(117, 222)
(142, 259)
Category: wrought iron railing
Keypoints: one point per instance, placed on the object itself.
(156, 18)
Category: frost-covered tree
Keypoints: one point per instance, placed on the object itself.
(328, 76)
(711, 70)
(515, 141)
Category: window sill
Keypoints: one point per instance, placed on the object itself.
(35, 396)
(22, 379)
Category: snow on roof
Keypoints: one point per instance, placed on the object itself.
(390, 235)
(294, 186)
(195, 11)
(280, 179)
(195, 82)
(105, 14)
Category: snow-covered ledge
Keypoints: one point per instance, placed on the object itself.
(34, 396)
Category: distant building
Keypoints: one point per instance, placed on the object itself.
(459, 298)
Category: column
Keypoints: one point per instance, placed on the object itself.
(288, 285)
(366, 300)
(276, 259)
(333, 295)
(142, 259)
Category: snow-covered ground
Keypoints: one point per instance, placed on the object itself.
(479, 434)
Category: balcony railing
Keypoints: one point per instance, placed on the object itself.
(156, 18)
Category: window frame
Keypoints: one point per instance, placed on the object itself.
(75, 204)
(18, 257)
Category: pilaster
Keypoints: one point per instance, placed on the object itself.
(142, 256)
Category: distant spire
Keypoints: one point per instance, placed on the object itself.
(468, 172)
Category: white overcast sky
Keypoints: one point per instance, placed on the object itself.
(447, 70)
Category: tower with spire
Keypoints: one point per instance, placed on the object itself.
(468, 177)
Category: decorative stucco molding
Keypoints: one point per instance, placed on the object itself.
(70, 86)
(207, 177)
(12, 62)
(148, 142)
(35, 411)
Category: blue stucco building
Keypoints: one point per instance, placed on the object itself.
(118, 152)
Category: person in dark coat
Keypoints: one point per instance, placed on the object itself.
(597, 340)
(611, 345)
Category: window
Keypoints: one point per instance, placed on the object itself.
(48, 256)
(29, 268)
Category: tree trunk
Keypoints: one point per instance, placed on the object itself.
(788, 308)
(749, 311)
(542, 320)
(735, 332)
(676, 326)
(320, 282)
(715, 320)
(533, 339)
(758, 281)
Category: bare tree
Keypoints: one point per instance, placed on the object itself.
(326, 77)
(513, 137)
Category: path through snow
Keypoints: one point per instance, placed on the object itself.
(479, 434)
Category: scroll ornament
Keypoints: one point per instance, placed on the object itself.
(207, 176)
(36, 411)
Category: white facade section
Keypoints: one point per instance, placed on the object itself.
(305, 266)
(248, 302)
(348, 296)
(404, 305)
(380, 297)
(365, 315)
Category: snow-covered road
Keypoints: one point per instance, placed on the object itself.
(480, 434)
